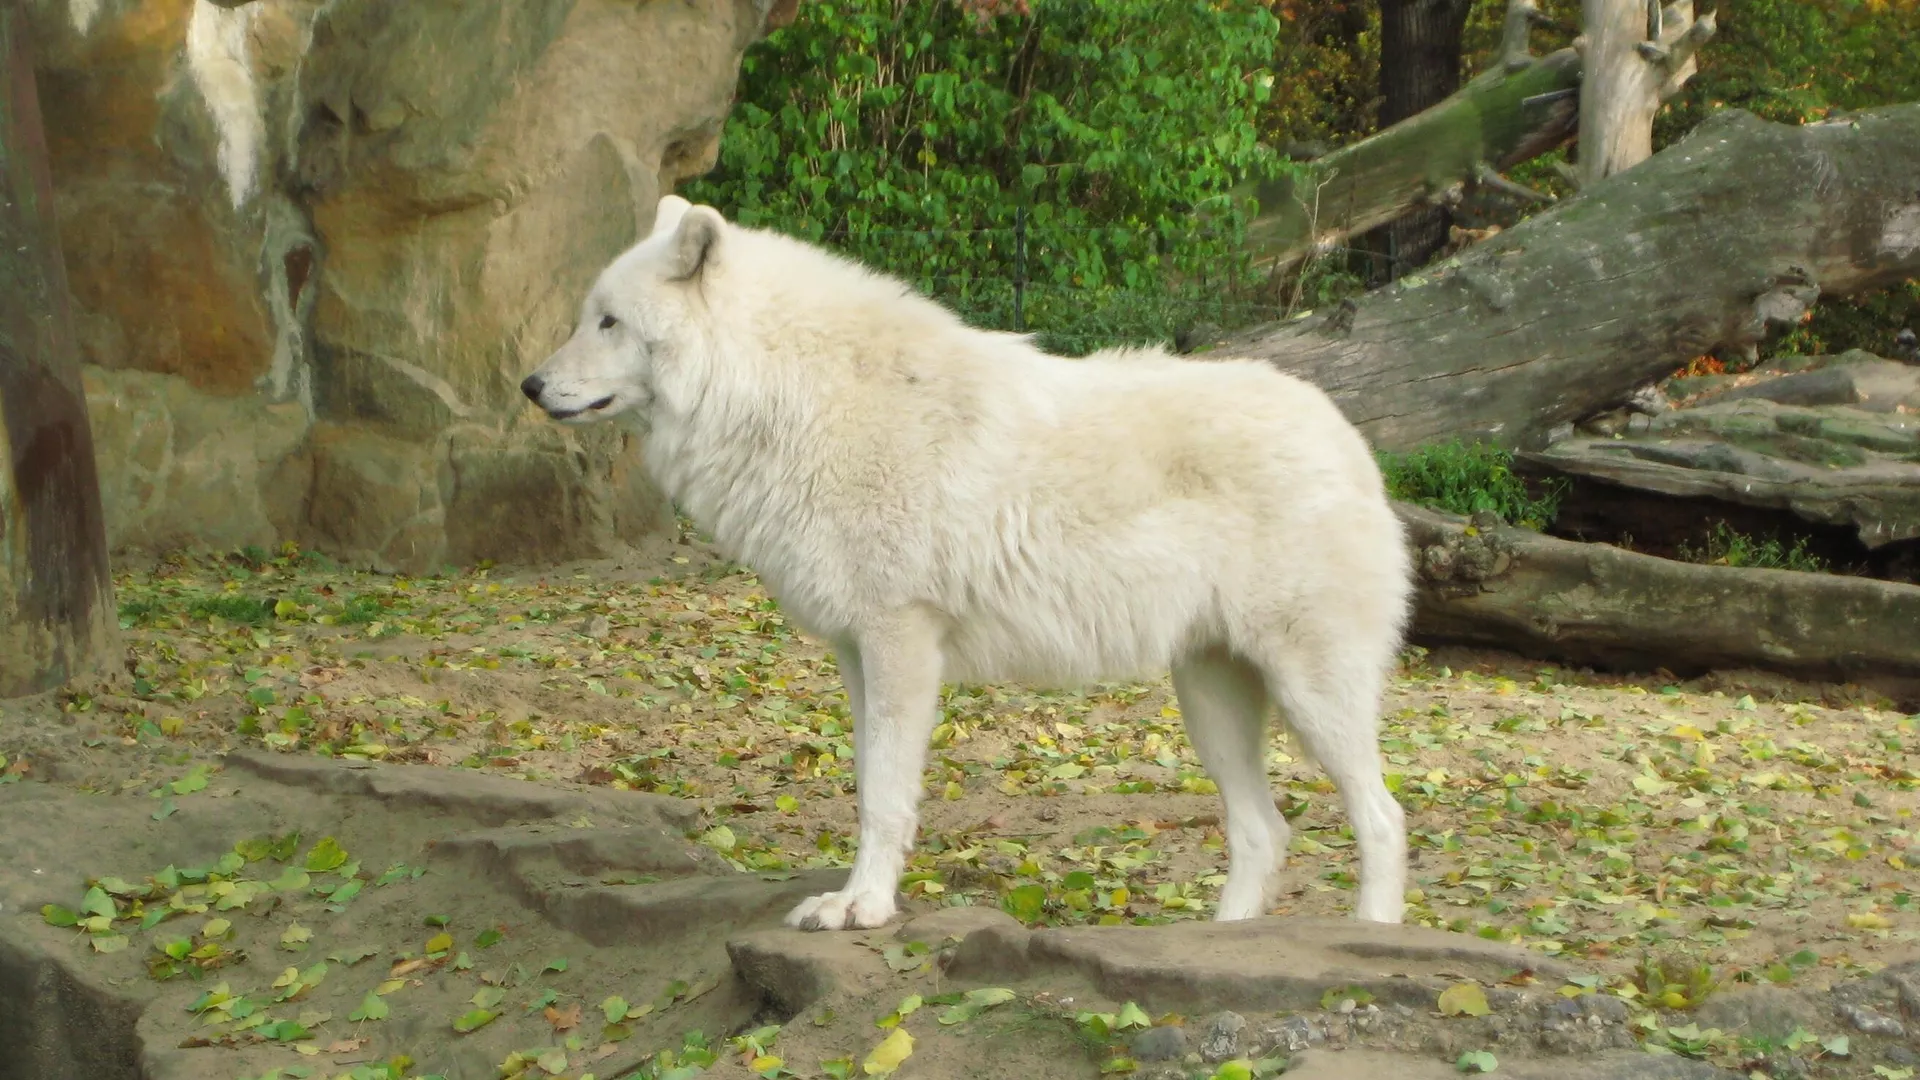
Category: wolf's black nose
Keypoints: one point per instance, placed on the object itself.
(532, 387)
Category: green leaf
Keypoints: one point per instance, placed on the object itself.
(614, 1008)
(1477, 1061)
(195, 780)
(290, 878)
(325, 855)
(1026, 902)
(1131, 1016)
(1236, 1069)
(473, 1021)
(285, 1031)
(97, 902)
(372, 1007)
(58, 916)
(488, 938)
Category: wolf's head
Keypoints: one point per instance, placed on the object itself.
(639, 318)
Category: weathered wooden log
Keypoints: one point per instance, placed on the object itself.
(1484, 583)
(1737, 227)
(1521, 109)
(56, 596)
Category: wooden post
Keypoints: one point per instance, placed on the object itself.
(57, 614)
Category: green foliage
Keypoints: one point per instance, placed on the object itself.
(233, 607)
(914, 137)
(1469, 478)
(1868, 321)
(1726, 547)
(1794, 60)
(1673, 982)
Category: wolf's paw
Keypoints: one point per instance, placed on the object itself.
(1380, 909)
(844, 910)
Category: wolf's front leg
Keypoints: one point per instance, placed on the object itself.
(897, 665)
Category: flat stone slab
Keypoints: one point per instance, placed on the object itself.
(1264, 964)
(480, 797)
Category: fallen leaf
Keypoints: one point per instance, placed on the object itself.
(894, 1049)
(1477, 1061)
(473, 1021)
(1464, 999)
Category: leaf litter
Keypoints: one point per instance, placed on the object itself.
(1750, 833)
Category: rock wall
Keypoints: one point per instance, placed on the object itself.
(315, 244)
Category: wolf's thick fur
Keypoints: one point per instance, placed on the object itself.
(944, 503)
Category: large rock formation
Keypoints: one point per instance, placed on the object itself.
(314, 245)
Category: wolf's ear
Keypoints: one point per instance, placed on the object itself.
(666, 216)
(697, 242)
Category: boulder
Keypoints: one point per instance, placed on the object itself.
(314, 247)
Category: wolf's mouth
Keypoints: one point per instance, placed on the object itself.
(568, 414)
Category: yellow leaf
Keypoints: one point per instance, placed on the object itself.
(894, 1049)
(439, 943)
(389, 986)
(1867, 920)
(1463, 999)
(1687, 731)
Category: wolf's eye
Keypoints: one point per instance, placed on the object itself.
(608, 322)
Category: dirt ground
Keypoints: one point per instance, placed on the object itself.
(1733, 830)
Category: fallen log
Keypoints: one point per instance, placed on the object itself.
(1740, 226)
(1489, 584)
(1522, 108)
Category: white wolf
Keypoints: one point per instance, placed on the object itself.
(941, 502)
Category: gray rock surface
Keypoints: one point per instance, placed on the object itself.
(314, 246)
(1837, 444)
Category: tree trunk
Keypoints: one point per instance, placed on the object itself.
(1739, 226)
(1592, 604)
(1420, 46)
(1636, 55)
(1519, 110)
(56, 595)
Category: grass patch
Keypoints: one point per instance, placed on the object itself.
(1727, 547)
(1470, 478)
(234, 608)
